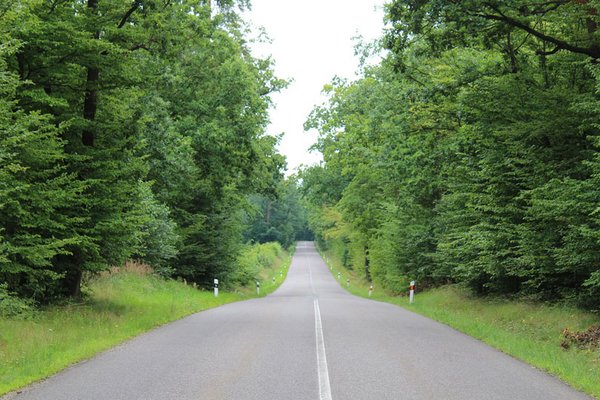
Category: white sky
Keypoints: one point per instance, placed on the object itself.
(311, 43)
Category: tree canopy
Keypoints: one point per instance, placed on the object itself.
(469, 153)
(128, 129)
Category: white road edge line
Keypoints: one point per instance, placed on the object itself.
(322, 371)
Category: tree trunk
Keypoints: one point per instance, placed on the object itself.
(511, 53)
(90, 104)
(23, 68)
(73, 283)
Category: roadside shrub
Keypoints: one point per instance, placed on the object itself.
(12, 306)
(255, 257)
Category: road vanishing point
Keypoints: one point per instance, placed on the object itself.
(310, 340)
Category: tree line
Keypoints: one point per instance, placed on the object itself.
(469, 154)
(129, 129)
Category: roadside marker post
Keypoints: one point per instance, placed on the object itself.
(412, 292)
(257, 288)
(273, 279)
(348, 282)
(216, 287)
(370, 290)
(339, 275)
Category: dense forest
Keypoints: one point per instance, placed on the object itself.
(136, 130)
(132, 130)
(469, 154)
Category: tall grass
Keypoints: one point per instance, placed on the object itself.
(528, 331)
(121, 305)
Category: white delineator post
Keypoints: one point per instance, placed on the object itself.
(370, 290)
(348, 282)
(339, 275)
(216, 287)
(257, 287)
(411, 295)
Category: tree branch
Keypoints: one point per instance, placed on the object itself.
(136, 4)
(593, 52)
(139, 46)
(546, 6)
(548, 53)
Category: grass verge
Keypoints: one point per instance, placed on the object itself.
(527, 331)
(122, 305)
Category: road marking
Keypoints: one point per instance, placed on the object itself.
(322, 371)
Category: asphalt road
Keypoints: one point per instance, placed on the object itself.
(308, 340)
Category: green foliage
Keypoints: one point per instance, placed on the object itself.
(128, 129)
(12, 306)
(159, 237)
(470, 153)
(254, 259)
(36, 194)
(281, 219)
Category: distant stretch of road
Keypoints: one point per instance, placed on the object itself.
(309, 340)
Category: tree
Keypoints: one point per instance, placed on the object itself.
(469, 154)
(278, 219)
(567, 25)
(36, 193)
(157, 111)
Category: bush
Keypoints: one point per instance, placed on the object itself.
(11, 306)
(255, 257)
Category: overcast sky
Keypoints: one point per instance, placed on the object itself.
(312, 41)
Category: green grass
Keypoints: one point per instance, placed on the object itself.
(528, 331)
(121, 306)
